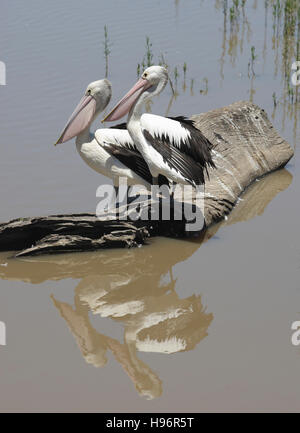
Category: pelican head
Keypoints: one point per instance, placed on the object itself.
(95, 99)
(151, 83)
(157, 77)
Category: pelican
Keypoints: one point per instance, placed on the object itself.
(111, 151)
(172, 147)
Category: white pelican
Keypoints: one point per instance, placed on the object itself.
(174, 148)
(110, 152)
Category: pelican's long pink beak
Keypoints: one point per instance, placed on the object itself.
(80, 119)
(127, 101)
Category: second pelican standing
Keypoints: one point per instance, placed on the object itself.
(174, 148)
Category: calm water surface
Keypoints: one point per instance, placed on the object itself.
(177, 325)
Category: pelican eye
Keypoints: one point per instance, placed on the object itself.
(145, 75)
(89, 91)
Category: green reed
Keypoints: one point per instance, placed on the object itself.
(285, 16)
(107, 49)
(149, 59)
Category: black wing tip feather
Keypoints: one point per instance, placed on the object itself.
(183, 163)
(185, 120)
(162, 180)
(131, 159)
(200, 146)
(119, 126)
(134, 161)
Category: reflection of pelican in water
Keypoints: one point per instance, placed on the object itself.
(94, 345)
(140, 298)
(163, 323)
(133, 287)
(136, 289)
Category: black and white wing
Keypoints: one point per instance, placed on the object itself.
(181, 133)
(118, 143)
(176, 160)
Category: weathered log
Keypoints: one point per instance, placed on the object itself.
(67, 233)
(140, 264)
(245, 148)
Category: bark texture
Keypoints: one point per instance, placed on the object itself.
(246, 147)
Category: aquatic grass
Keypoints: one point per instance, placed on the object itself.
(234, 12)
(285, 43)
(149, 54)
(176, 75)
(172, 87)
(149, 60)
(205, 90)
(162, 61)
(252, 62)
(107, 50)
(285, 15)
(290, 44)
(184, 68)
(192, 86)
(284, 32)
(234, 19)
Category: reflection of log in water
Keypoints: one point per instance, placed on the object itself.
(255, 200)
(245, 147)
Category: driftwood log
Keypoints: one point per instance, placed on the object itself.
(245, 147)
(147, 268)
